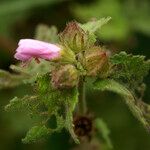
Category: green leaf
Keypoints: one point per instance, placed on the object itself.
(27, 103)
(15, 104)
(50, 97)
(93, 26)
(26, 74)
(104, 131)
(129, 68)
(140, 110)
(47, 103)
(47, 34)
(32, 70)
(55, 97)
(35, 133)
(60, 103)
(8, 80)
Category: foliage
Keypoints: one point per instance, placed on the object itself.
(130, 69)
(93, 26)
(138, 108)
(126, 79)
(35, 133)
(47, 103)
(58, 103)
(22, 74)
(8, 80)
(22, 104)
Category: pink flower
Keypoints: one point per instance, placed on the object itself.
(29, 48)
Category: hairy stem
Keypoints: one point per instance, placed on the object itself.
(82, 100)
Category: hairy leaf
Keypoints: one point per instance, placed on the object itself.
(48, 102)
(60, 103)
(35, 133)
(8, 80)
(136, 106)
(129, 68)
(22, 75)
(93, 26)
(32, 70)
(27, 103)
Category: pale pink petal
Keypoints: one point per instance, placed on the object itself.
(29, 48)
(22, 57)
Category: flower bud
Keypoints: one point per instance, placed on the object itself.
(65, 76)
(74, 37)
(96, 62)
(29, 48)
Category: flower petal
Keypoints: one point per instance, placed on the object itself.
(29, 48)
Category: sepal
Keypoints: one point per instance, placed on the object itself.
(64, 76)
(74, 37)
(96, 62)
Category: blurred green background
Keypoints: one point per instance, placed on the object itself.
(128, 30)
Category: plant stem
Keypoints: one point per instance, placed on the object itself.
(82, 99)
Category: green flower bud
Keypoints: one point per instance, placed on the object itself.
(64, 76)
(74, 37)
(96, 62)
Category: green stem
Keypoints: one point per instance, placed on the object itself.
(82, 99)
